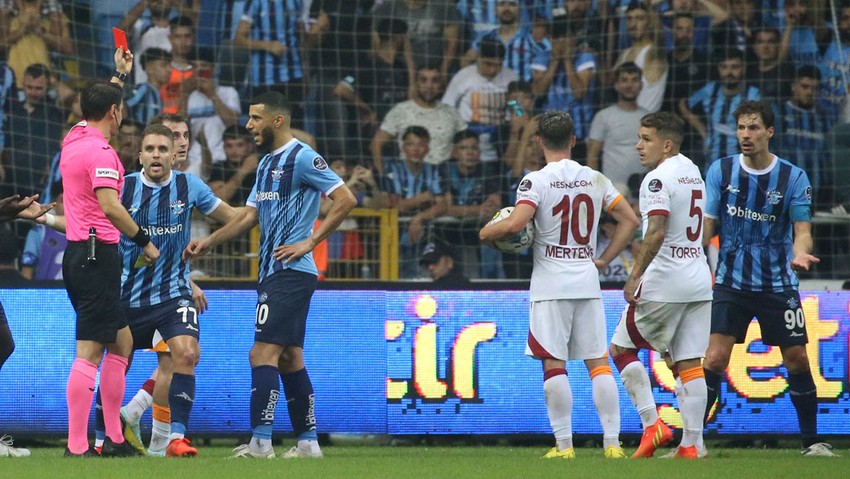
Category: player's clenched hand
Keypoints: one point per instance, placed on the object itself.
(804, 262)
(196, 248)
(291, 252)
(629, 290)
(151, 253)
(600, 265)
(199, 297)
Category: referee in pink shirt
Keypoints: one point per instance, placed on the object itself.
(92, 176)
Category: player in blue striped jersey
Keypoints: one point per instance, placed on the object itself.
(836, 68)
(270, 30)
(526, 56)
(760, 206)
(158, 299)
(709, 110)
(291, 180)
(801, 129)
(480, 16)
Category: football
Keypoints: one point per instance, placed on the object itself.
(517, 242)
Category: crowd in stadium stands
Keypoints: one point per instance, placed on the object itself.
(428, 106)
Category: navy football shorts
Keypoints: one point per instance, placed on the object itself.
(282, 306)
(175, 317)
(780, 315)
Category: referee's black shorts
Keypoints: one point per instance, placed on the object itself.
(94, 288)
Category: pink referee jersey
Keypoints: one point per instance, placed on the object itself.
(87, 163)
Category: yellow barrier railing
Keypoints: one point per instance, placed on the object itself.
(376, 258)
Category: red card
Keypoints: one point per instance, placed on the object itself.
(120, 39)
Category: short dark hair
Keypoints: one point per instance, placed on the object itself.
(729, 54)
(158, 129)
(669, 126)
(630, 68)
(808, 71)
(388, 27)
(555, 129)
(132, 122)
(154, 54)
(274, 102)
(464, 135)
(181, 21)
(98, 97)
(687, 15)
(520, 86)
(491, 48)
(752, 107)
(772, 30)
(636, 5)
(37, 70)
(235, 132)
(416, 130)
(168, 117)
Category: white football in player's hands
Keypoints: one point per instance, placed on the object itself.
(517, 242)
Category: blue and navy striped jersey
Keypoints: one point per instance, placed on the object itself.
(290, 182)
(834, 68)
(275, 20)
(522, 53)
(753, 214)
(715, 108)
(561, 97)
(144, 103)
(800, 137)
(165, 212)
(480, 15)
(399, 180)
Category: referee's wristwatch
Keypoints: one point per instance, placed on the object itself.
(122, 77)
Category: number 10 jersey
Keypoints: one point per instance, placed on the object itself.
(569, 199)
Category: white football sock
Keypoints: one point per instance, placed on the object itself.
(159, 435)
(607, 403)
(636, 381)
(137, 406)
(559, 404)
(692, 407)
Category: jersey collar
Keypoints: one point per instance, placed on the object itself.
(754, 171)
(151, 184)
(285, 146)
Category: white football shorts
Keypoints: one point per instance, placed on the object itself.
(680, 328)
(567, 329)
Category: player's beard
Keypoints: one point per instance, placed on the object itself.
(266, 138)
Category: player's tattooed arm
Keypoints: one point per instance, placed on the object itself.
(652, 241)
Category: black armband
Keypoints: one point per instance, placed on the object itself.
(141, 238)
(122, 77)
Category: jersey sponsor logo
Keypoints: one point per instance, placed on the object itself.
(106, 173)
(178, 207)
(524, 185)
(268, 196)
(569, 252)
(163, 230)
(574, 184)
(277, 173)
(687, 180)
(749, 214)
(654, 185)
(320, 164)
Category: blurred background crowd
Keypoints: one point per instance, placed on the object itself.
(426, 107)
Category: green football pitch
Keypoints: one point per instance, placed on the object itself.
(433, 462)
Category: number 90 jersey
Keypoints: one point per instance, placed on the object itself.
(679, 272)
(569, 199)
